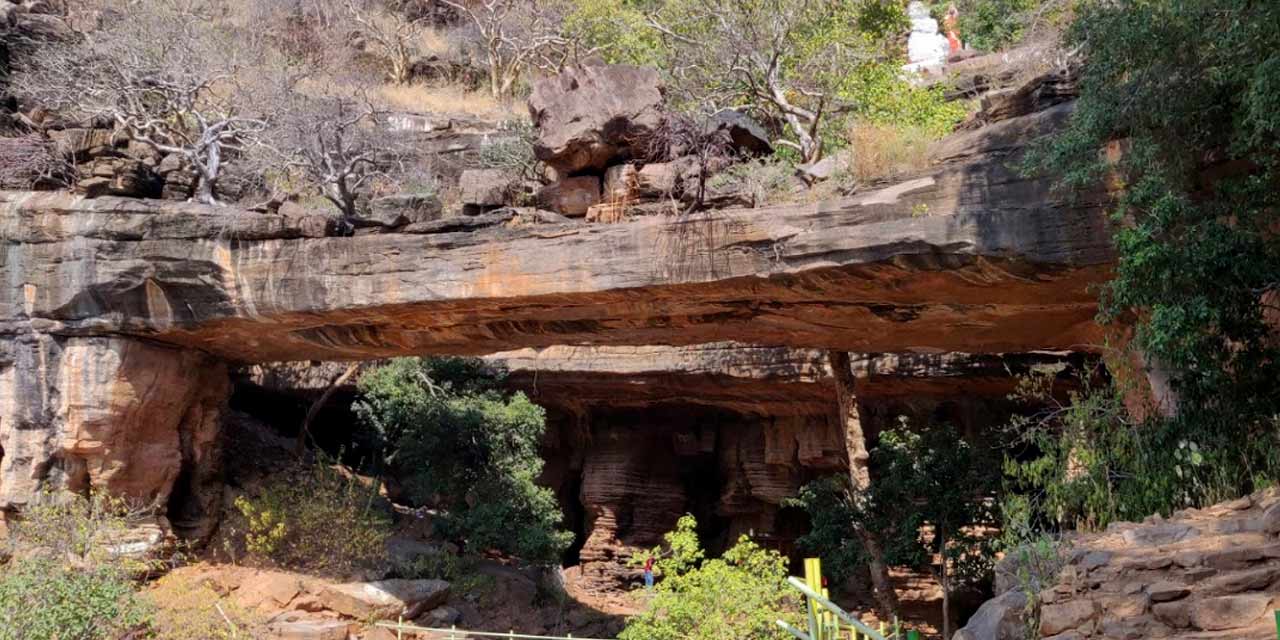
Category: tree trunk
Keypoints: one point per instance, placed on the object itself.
(855, 442)
(305, 431)
(209, 174)
(495, 75)
(944, 582)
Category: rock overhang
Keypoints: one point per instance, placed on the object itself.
(969, 256)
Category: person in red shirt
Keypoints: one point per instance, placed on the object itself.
(648, 573)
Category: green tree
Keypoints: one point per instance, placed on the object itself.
(992, 25)
(457, 441)
(930, 491)
(1191, 88)
(739, 596)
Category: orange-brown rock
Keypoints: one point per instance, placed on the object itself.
(968, 256)
(113, 415)
(639, 436)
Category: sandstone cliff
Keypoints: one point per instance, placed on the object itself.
(117, 315)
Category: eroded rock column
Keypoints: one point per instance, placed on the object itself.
(116, 415)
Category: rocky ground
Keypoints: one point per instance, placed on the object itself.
(1202, 574)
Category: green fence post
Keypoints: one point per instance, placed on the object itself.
(1278, 624)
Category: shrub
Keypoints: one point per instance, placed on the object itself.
(740, 595)
(31, 162)
(316, 519)
(766, 182)
(458, 442)
(1086, 463)
(41, 598)
(993, 25)
(68, 579)
(881, 95)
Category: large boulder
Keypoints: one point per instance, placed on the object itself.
(571, 196)
(485, 189)
(591, 117)
(401, 209)
(384, 598)
(1001, 618)
(742, 134)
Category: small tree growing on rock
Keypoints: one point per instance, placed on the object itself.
(164, 73)
(516, 35)
(787, 58)
(338, 144)
(392, 35)
(458, 442)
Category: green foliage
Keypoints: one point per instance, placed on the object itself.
(458, 442)
(42, 598)
(68, 578)
(315, 518)
(1035, 556)
(881, 95)
(738, 596)
(992, 25)
(834, 516)
(1191, 87)
(932, 480)
(617, 29)
(513, 153)
(1083, 463)
(1084, 460)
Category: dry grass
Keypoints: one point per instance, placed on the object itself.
(433, 41)
(885, 152)
(189, 609)
(451, 99)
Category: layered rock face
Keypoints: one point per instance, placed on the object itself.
(113, 415)
(1210, 573)
(640, 436)
(96, 293)
(969, 257)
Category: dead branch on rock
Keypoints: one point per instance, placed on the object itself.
(32, 162)
(165, 75)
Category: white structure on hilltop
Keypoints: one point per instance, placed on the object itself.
(927, 49)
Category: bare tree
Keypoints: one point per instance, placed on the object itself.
(393, 36)
(166, 74)
(783, 57)
(337, 144)
(516, 35)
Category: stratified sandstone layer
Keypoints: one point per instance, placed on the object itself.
(117, 415)
(769, 381)
(639, 436)
(1203, 574)
(970, 256)
(97, 295)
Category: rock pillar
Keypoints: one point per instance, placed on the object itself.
(112, 414)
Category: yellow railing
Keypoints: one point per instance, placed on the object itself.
(826, 620)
